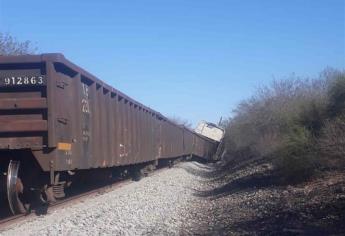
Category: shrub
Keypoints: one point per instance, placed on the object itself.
(332, 142)
(11, 46)
(263, 121)
(336, 95)
(296, 160)
(294, 122)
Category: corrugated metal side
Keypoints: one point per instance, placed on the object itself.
(102, 126)
(23, 109)
(120, 131)
(188, 142)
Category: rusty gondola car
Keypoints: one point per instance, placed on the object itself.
(56, 119)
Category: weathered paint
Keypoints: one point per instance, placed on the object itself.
(75, 121)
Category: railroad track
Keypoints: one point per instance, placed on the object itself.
(7, 222)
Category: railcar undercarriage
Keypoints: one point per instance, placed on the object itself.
(24, 186)
(22, 181)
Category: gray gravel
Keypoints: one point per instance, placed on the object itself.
(156, 205)
(198, 199)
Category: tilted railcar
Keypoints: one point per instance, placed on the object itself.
(57, 118)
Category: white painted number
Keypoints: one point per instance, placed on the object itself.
(40, 80)
(25, 80)
(85, 106)
(33, 80)
(7, 81)
(19, 81)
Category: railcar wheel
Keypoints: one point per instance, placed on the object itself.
(15, 189)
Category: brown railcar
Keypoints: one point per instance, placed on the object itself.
(67, 120)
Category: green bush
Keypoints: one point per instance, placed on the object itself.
(296, 160)
(294, 122)
(332, 143)
(336, 95)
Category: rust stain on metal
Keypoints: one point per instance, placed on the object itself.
(47, 103)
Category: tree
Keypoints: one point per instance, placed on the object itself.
(11, 46)
(180, 121)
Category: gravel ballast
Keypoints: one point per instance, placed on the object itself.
(204, 199)
(157, 204)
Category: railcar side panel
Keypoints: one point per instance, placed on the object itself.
(130, 133)
(24, 114)
(120, 127)
(115, 153)
(75, 121)
(125, 128)
(151, 136)
(134, 134)
(188, 141)
(146, 136)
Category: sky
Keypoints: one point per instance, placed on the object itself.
(193, 59)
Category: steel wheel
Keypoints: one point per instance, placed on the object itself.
(15, 189)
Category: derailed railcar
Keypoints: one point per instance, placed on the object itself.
(204, 147)
(59, 117)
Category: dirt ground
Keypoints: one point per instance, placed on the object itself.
(249, 199)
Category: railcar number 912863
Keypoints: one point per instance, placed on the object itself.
(22, 81)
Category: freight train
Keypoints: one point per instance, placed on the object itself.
(58, 121)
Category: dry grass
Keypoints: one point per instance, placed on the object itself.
(296, 123)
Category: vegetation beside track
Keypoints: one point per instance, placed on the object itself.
(9, 45)
(285, 158)
(297, 124)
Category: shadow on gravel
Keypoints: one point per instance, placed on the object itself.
(42, 210)
(317, 219)
(223, 172)
(216, 171)
(201, 170)
(283, 210)
(224, 175)
(244, 184)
